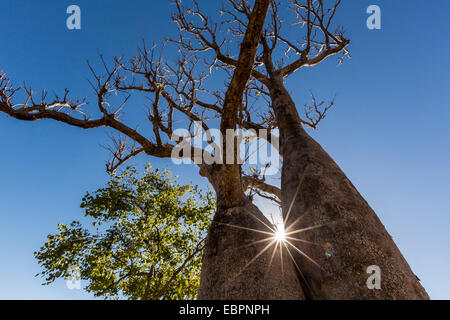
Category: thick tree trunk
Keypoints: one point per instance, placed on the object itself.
(352, 238)
(226, 272)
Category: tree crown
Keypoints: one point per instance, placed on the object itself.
(144, 242)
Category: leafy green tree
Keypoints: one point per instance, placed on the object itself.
(145, 241)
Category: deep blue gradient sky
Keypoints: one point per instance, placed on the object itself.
(389, 131)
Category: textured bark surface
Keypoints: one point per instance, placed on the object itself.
(231, 182)
(352, 238)
(228, 250)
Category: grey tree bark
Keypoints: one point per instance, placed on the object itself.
(352, 237)
(230, 269)
(352, 234)
(226, 272)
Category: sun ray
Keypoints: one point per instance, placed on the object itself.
(256, 242)
(297, 267)
(244, 228)
(295, 222)
(256, 257)
(278, 237)
(281, 258)
(305, 255)
(268, 227)
(271, 258)
(305, 229)
(302, 240)
(293, 199)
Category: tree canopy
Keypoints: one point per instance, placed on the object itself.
(144, 242)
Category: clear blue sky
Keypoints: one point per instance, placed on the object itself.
(389, 131)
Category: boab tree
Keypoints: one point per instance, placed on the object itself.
(179, 91)
(314, 189)
(145, 240)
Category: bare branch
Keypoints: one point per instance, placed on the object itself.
(316, 112)
(251, 182)
(199, 34)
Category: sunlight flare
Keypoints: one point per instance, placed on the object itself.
(280, 234)
(278, 237)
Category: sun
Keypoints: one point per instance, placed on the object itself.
(280, 237)
(280, 234)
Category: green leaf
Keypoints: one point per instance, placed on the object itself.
(144, 222)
